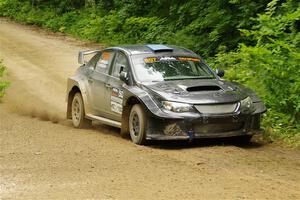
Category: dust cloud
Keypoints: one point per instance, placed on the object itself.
(22, 102)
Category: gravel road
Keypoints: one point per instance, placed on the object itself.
(43, 157)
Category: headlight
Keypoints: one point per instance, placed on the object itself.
(246, 105)
(177, 107)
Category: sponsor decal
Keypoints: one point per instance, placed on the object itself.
(150, 60)
(189, 59)
(167, 58)
(106, 55)
(116, 100)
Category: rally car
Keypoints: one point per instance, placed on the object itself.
(160, 92)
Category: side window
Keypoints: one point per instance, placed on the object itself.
(104, 62)
(121, 64)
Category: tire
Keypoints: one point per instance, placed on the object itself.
(137, 125)
(78, 113)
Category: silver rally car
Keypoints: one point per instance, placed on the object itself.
(160, 92)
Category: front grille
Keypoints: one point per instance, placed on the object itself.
(217, 108)
(218, 128)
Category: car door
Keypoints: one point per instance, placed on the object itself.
(121, 63)
(98, 83)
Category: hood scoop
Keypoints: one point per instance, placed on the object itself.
(203, 88)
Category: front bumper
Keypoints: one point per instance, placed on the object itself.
(202, 127)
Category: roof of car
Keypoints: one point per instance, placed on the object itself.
(153, 48)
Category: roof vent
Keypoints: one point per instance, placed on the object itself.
(156, 48)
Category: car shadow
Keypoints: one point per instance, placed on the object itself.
(256, 142)
(199, 143)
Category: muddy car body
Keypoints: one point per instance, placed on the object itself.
(160, 92)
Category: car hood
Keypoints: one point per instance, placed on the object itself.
(206, 91)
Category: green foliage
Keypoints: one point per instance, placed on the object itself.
(204, 26)
(207, 26)
(3, 84)
(272, 66)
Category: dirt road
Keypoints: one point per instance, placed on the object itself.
(43, 157)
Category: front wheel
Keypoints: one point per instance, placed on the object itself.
(78, 113)
(137, 125)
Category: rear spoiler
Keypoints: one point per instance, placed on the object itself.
(81, 55)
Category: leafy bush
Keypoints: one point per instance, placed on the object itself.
(272, 66)
(3, 84)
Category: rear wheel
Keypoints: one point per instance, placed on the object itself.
(137, 125)
(78, 113)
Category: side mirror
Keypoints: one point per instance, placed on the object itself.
(124, 77)
(220, 72)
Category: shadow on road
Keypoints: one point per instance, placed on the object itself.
(256, 141)
(205, 143)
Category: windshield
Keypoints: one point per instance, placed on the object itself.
(152, 69)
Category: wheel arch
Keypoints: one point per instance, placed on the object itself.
(73, 87)
(70, 97)
(126, 112)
